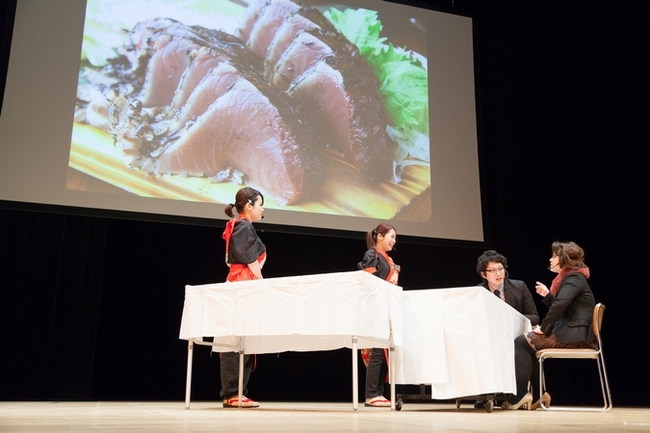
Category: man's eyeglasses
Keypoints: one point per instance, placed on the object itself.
(497, 270)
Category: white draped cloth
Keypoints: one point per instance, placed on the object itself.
(460, 341)
(301, 313)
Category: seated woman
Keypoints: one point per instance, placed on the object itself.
(567, 324)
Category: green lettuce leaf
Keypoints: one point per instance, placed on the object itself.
(403, 85)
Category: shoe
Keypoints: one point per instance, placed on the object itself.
(546, 399)
(525, 403)
(245, 402)
(377, 402)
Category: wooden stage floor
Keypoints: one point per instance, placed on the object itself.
(163, 417)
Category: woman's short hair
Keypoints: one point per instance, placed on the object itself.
(487, 257)
(570, 255)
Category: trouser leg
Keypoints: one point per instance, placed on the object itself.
(523, 366)
(376, 373)
(230, 373)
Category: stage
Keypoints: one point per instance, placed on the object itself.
(163, 417)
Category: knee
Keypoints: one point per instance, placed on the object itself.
(521, 343)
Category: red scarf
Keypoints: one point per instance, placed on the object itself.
(393, 274)
(555, 285)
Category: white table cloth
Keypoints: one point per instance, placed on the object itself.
(302, 313)
(458, 340)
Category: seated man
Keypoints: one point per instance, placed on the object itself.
(491, 266)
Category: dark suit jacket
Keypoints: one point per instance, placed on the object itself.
(519, 297)
(570, 311)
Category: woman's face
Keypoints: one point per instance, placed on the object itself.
(385, 243)
(554, 264)
(255, 211)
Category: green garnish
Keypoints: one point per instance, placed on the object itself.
(403, 78)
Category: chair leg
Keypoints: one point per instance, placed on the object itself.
(604, 385)
(542, 382)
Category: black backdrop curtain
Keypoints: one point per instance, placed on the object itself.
(51, 284)
(90, 307)
(93, 306)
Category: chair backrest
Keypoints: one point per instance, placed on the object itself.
(597, 319)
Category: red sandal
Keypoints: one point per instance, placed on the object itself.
(245, 402)
(377, 402)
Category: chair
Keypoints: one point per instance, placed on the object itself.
(596, 354)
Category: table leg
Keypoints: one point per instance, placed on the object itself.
(355, 375)
(188, 380)
(391, 375)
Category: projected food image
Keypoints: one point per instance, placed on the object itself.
(308, 103)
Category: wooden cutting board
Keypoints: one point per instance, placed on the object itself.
(345, 191)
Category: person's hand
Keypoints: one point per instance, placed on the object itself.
(256, 268)
(541, 288)
(538, 330)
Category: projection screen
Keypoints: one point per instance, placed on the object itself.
(343, 114)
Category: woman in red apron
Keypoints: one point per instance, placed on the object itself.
(376, 261)
(245, 256)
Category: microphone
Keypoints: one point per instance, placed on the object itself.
(394, 249)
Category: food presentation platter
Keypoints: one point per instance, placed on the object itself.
(98, 156)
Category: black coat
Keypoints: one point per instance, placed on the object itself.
(570, 312)
(519, 297)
